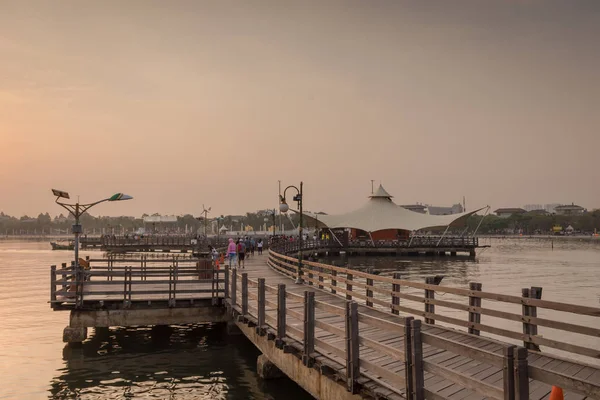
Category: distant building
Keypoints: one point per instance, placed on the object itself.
(507, 212)
(538, 212)
(420, 208)
(434, 210)
(531, 207)
(455, 209)
(572, 209)
(550, 207)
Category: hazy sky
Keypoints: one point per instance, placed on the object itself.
(181, 103)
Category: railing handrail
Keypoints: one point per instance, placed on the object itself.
(411, 380)
(339, 275)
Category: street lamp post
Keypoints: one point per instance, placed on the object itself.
(283, 207)
(77, 210)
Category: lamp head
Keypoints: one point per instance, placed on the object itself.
(119, 197)
(60, 193)
(283, 206)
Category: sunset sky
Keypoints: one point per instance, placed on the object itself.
(184, 103)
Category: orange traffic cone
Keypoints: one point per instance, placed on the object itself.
(556, 393)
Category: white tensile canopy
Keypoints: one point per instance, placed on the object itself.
(380, 213)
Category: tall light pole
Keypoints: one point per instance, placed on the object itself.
(77, 210)
(283, 207)
(205, 212)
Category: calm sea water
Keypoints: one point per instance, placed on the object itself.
(190, 362)
(201, 362)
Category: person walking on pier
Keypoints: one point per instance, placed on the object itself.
(241, 252)
(252, 246)
(260, 246)
(231, 252)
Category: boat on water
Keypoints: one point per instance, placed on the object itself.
(70, 245)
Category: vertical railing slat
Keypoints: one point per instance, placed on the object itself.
(521, 374)
(348, 286)
(352, 349)
(244, 293)
(408, 368)
(474, 301)
(508, 372)
(396, 289)
(261, 305)
(417, 360)
(234, 288)
(281, 319)
(52, 284)
(309, 328)
(226, 294)
(333, 281)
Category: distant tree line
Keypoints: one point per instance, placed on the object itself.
(261, 219)
(535, 224)
(44, 224)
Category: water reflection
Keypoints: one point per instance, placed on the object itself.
(455, 269)
(178, 362)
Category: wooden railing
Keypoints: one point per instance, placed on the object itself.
(376, 288)
(168, 240)
(251, 298)
(140, 280)
(418, 242)
(386, 293)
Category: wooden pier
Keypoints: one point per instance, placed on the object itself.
(166, 244)
(417, 246)
(345, 334)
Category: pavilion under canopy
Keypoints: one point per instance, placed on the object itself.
(381, 213)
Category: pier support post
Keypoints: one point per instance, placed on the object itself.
(74, 335)
(266, 369)
(232, 329)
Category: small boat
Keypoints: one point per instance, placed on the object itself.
(62, 246)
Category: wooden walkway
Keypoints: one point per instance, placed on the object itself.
(457, 365)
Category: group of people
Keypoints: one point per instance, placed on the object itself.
(239, 250)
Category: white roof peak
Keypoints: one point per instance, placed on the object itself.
(381, 193)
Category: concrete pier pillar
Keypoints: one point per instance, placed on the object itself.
(74, 335)
(266, 369)
(232, 329)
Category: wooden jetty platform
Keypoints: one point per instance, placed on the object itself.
(417, 246)
(345, 334)
(166, 243)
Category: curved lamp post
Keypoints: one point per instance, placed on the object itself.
(77, 210)
(283, 207)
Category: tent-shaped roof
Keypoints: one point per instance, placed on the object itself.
(380, 213)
